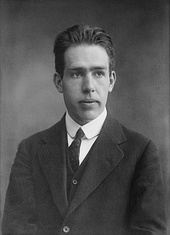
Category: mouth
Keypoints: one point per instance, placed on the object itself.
(88, 101)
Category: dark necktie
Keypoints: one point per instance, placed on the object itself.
(74, 150)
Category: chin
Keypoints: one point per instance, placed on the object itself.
(88, 118)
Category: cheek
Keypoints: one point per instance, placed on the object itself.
(104, 95)
(70, 93)
(68, 89)
(103, 83)
(103, 88)
(72, 86)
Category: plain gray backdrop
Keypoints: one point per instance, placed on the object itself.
(29, 100)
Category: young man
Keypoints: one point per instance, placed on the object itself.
(108, 181)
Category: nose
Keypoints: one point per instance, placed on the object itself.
(88, 84)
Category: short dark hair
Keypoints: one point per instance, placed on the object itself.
(81, 34)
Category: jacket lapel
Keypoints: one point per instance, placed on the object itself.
(52, 160)
(105, 155)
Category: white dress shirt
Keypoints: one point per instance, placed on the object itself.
(91, 131)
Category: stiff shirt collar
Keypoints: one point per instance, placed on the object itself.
(91, 129)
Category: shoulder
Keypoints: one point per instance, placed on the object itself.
(141, 148)
(128, 139)
(134, 135)
(41, 138)
(122, 133)
(138, 140)
(135, 146)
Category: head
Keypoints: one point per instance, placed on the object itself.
(84, 61)
(82, 34)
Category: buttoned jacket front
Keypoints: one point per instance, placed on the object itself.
(120, 192)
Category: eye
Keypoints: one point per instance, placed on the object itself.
(76, 74)
(99, 74)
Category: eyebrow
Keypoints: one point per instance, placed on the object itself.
(91, 68)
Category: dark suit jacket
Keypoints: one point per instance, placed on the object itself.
(120, 192)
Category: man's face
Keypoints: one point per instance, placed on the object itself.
(86, 82)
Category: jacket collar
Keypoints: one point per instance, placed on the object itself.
(112, 126)
(114, 129)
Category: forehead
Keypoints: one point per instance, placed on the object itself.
(84, 55)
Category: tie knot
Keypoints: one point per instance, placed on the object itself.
(79, 134)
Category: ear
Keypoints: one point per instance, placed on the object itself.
(112, 80)
(58, 82)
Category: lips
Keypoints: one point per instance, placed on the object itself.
(88, 101)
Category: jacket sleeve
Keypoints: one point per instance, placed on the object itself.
(19, 210)
(148, 195)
